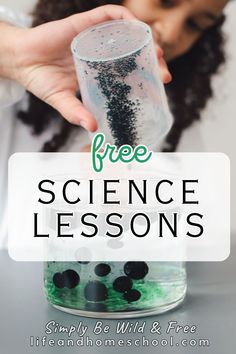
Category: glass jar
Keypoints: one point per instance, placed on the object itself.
(115, 289)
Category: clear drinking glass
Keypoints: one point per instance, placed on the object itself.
(120, 84)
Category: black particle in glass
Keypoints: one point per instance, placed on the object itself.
(83, 262)
(95, 306)
(141, 85)
(121, 111)
(132, 295)
(136, 270)
(58, 280)
(122, 284)
(95, 291)
(71, 278)
(102, 269)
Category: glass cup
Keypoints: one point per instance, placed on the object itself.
(120, 82)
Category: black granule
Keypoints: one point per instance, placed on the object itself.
(132, 295)
(95, 291)
(136, 270)
(121, 110)
(58, 280)
(122, 284)
(84, 262)
(95, 306)
(141, 85)
(71, 278)
(102, 269)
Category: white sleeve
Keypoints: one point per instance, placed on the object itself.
(10, 91)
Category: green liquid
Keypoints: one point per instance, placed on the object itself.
(164, 284)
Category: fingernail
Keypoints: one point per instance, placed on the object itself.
(84, 124)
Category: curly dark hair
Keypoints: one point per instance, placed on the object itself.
(188, 92)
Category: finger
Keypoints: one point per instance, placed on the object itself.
(72, 110)
(100, 14)
(160, 52)
(165, 73)
(86, 148)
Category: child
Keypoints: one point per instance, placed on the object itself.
(189, 31)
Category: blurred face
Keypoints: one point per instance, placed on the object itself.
(177, 24)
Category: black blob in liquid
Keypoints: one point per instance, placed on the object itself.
(58, 280)
(121, 110)
(122, 284)
(71, 278)
(132, 295)
(136, 270)
(102, 269)
(95, 291)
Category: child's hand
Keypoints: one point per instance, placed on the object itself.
(42, 62)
